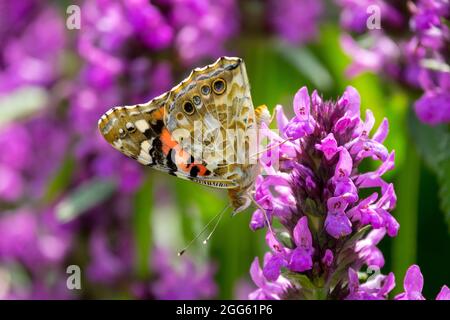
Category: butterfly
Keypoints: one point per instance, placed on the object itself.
(202, 130)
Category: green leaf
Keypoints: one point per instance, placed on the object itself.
(143, 205)
(307, 64)
(356, 237)
(444, 188)
(22, 102)
(83, 198)
(60, 180)
(298, 278)
(433, 144)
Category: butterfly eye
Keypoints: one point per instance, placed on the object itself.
(196, 100)
(188, 107)
(130, 127)
(219, 86)
(205, 90)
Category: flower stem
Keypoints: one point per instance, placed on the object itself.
(404, 249)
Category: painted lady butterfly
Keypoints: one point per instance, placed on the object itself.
(201, 130)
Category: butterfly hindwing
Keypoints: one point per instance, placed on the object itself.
(207, 110)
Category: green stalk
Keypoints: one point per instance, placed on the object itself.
(404, 248)
(143, 206)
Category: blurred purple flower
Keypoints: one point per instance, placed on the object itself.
(26, 239)
(434, 105)
(355, 14)
(19, 232)
(184, 281)
(417, 58)
(29, 54)
(107, 265)
(295, 21)
(200, 28)
(27, 160)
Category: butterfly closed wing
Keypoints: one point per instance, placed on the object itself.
(203, 130)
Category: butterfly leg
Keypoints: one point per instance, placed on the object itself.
(271, 147)
(266, 217)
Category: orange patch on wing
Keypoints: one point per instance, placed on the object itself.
(182, 157)
(158, 114)
(167, 142)
(202, 169)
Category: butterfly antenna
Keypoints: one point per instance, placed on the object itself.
(271, 147)
(215, 226)
(219, 215)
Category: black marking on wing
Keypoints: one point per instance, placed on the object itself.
(156, 152)
(149, 134)
(170, 164)
(157, 127)
(234, 65)
(194, 171)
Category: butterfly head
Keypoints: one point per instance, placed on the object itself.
(263, 115)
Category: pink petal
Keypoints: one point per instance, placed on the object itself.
(302, 235)
(444, 294)
(413, 282)
(302, 104)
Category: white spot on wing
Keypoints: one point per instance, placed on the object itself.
(144, 158)
(142, 125)
(145, 145)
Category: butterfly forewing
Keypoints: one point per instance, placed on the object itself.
(201, 130)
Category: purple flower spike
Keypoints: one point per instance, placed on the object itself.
(330, 227)
(318, 183)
